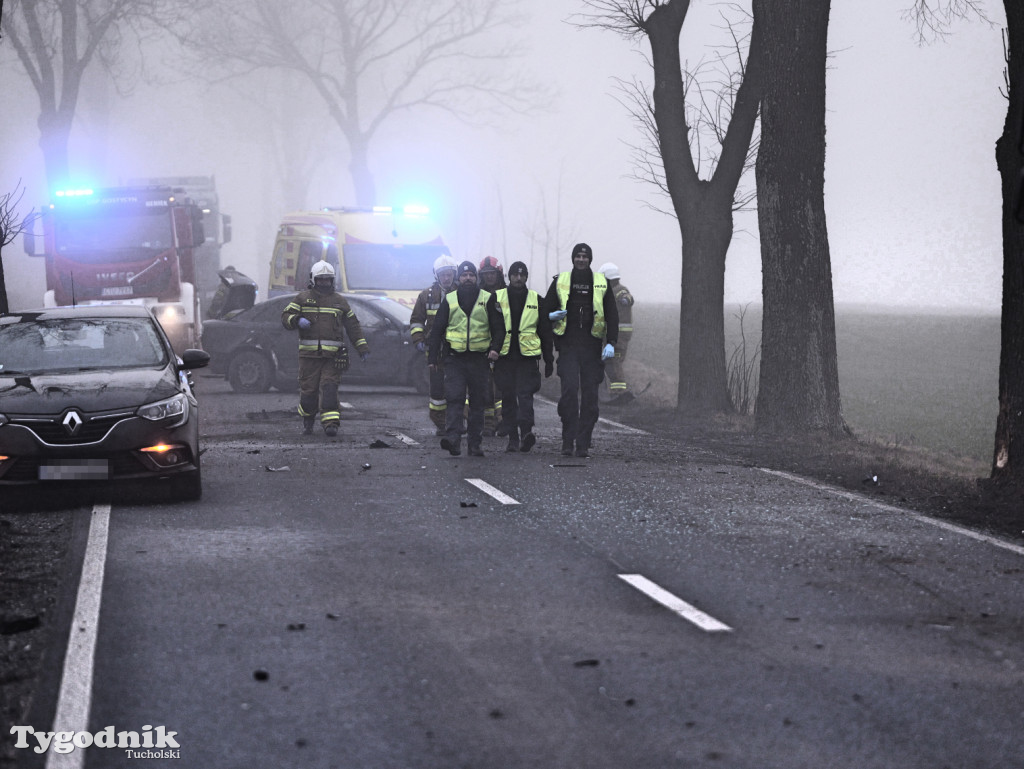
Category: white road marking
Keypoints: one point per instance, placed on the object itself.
(75, 697)
(892, 509)
(609, 422)
(345, 405)
(686, 611)
(404, 439)
(487, 488)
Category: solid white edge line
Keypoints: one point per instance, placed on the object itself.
(487, 488)
(686, 611)
(619, 425)
(902, 511)
(75, 697)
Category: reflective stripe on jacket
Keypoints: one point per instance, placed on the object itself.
(330, 318)
(600, 287)
(472, 333)
(529, 339)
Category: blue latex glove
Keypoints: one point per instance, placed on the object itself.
(304, 323)
(364, 355)
(557, 315)
(421, 346)
(607, 352)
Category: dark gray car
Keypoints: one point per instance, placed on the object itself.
(255, 352)
(96, 394)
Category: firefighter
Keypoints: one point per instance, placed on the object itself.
(319, 313)
(527, 339)
(618, 387)
(584, 317)
(467, 334)
(423, 313)
(491, 276)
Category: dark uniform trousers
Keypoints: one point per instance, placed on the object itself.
(319, 378)
(518, 378)
(438, 407)
(581, 372)
(466, 372)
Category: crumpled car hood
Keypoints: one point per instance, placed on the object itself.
(94, 390)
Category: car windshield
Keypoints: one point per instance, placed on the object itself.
(75, 344)
(395, 309)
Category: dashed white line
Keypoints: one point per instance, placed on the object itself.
(75, 696)
(690, 613)
(487, 488)
(892, 509)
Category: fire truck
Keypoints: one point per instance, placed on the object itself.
(380, 250)
(125, 245)
(217, 226)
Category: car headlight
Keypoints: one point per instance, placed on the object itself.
(175, 408)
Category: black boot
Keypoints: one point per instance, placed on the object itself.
(566, 447)
(513, 440)
(452, 445)
(307, 425)
(528, 440)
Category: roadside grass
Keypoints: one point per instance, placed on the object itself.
(924, 385)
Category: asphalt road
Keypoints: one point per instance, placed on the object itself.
(329, 604)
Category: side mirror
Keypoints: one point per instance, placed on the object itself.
(191, 359)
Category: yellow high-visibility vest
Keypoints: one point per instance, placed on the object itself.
(600, 287)
(472, 333)
(529, 340)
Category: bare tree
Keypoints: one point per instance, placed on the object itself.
(371, 60)
(704, 208)
(933, 18)
(799, 382)
(57, 41)
(11, 226)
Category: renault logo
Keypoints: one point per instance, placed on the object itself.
(73, 423)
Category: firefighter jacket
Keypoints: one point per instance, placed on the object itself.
(624, 301)
(328, 315)
(600, 320)
(525, 324)
(425, 310)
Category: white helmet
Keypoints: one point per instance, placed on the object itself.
(321, 269)
(444, 263)
(610, 270)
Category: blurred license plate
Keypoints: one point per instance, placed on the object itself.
(75, 470)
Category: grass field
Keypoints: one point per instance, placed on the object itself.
(926, 380)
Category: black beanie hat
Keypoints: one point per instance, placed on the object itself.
(518, 268)
(583, 248)
(465, 267)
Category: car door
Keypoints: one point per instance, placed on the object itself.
(386, 362)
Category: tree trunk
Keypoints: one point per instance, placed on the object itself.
(362, 177)
(799, 381)
(703, 378)
(1008, 457)
(54, 131)
(703, 209)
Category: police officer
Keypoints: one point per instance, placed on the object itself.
(527, 339)
(618, 387)
(423, 314)
(319, 313)
(586, 327)
(468, 333)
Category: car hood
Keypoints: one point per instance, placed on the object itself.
(96, 390)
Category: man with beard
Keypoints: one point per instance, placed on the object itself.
(586, 327)
(527, 339)
(468, 333)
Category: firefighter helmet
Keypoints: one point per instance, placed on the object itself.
(610, 270)
(321, 269)
(443, 263)
(490, 264)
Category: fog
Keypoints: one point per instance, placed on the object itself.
(912, 191)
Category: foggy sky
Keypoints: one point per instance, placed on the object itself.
(912, 191)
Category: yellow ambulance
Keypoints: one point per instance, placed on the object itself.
(374, 250)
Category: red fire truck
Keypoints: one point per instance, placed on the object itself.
(122, 245)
